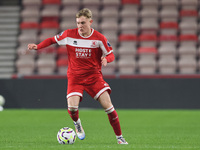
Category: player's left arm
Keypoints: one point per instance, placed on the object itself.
(107, 50)
(109, 58)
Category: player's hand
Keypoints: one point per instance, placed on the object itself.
(32, 46)
(104, 61)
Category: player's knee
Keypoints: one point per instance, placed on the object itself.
(72, 108)
(73, 101)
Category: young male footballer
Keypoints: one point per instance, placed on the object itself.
(87, 51)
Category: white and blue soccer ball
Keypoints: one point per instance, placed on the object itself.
(2, 102)
(66, 135)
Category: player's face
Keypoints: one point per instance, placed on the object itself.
(83, 25)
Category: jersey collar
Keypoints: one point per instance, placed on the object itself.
(88, 35)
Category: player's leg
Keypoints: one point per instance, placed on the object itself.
(106, 103)
(73, 103)
(100, 90)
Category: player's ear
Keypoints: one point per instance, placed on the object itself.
(91, 21)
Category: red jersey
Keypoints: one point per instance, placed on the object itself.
(84, 53)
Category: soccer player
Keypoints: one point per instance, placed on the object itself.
(87, 51)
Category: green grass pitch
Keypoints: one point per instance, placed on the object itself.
(36, 129)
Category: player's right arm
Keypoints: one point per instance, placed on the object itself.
(32, 46)
(43, 44)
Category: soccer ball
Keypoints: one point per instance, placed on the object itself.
(2, 100)
(66, 135)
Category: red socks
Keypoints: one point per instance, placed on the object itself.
(73, 112)
(114, 120)
(112, 116)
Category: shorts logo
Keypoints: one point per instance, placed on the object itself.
(105, 84)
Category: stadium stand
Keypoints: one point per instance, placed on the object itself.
(61, 61)
(168, 28)
(128, 44)
(187, 65)
(25, 65)
(62, 65)
(167, 64)
(9, 27)
(169, 13)
(170, 3)
(126, 66)
(147, 60)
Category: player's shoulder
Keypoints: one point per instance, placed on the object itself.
(67, 33)
(99, 35)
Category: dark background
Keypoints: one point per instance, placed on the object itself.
(126, 93)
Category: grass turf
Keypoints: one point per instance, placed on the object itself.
(22, 129)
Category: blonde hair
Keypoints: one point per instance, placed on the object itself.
(84, 12)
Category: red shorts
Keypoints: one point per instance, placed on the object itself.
(93, 84)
